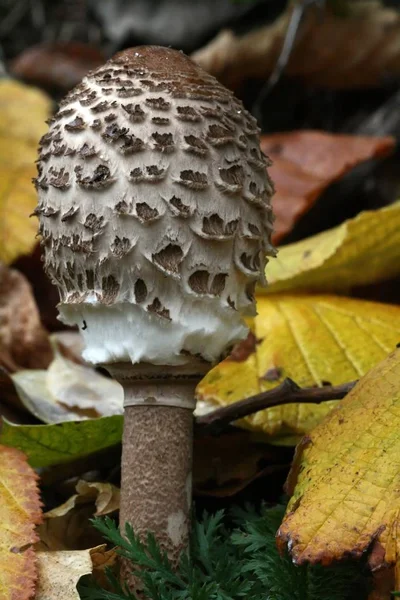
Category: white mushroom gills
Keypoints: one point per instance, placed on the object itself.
(155, 218)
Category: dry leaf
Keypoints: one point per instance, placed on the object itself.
(225, 465)
(362, 250)
(67, 527)
(24, 343)
(20, 509)
(345, 478)
(59, 573)
(314, 340)
(68, 391)
(306, 162)
(357, 49)
(103, 559)
(23, 111)
(60, 65)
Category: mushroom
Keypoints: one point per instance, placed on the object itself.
(155, 218)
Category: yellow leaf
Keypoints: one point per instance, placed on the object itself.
(346, 476)
(20, 511)
(362, 250)
(23, 111)
(314, 340)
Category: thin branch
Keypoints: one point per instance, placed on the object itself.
(288, 392)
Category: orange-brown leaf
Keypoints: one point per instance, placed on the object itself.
(24, 343)
(306, 162)
(20, 511)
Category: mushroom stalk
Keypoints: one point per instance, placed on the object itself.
(156, 471)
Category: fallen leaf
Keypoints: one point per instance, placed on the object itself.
(47, 445)
(360, 48)
(60, 572)
(59, 66)
(225, 465)
(362, 250)
(314, 340)
(20, 508)
(68, 392)
(103, 559)
(72, 344)
(46, 294)
(345, 478)
(24, 343)
(23, 111)
(304, 163)
(67, 527)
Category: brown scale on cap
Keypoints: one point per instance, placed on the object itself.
(150, 153)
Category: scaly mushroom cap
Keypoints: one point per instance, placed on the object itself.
(154, 208)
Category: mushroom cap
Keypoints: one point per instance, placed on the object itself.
(154, 209)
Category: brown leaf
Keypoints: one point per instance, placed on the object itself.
(60, 65)
(307, 162)
(24, 343)
(103, 559)
(67, 527)
(360, 48)
(225, 465)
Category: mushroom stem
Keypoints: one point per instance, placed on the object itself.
(156, 477)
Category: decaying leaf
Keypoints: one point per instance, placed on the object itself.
(68, 392)
(23, 111)
(24, 343)
(345, 478)
(67, 527)
(102, 559)
(361, 251)
(306, 162)
(47, 445)
(314, 340)
(58, 66)
(226, 464)
(59, 573)
(358, 48)
(20, 509)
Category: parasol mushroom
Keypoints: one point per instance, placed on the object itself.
(155, 218)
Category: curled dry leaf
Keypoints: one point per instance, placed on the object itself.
(306, 162)
(24, 343)
(361, 251)
(23, 111)
(68, 391)
(20, 509)
(359, 48)
(314, 340)
(345, 478)
(47, 445)
(67, 527)
(58, 66)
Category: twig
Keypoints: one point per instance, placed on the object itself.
(288, 392)
(289, 41)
